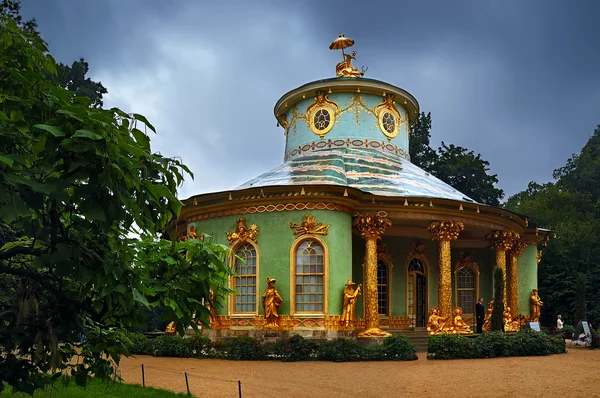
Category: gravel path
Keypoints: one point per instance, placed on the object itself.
(576, 373)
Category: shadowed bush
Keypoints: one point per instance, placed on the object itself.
(495, 344)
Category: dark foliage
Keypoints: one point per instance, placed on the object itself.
(296, 348)
(497, 321)
(580, 312)
(495, 344)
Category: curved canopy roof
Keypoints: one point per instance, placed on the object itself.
(366, 169)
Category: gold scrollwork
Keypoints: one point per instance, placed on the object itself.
(321, 114)
(388, 116)
(242, 233)
(309, 226)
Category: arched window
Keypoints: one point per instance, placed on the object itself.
(382, 288)
(244, 301)
(310, 277)
(466, 284)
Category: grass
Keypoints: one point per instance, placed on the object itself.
(96, 389)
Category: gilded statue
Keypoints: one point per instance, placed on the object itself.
(487, 321)
(436, 323)
(192, 234)
(345, 68)
(170, 329)
(535, 306)
(271, 301)
(459, 324)
(242, 233)
(509, 324)
(350, 297)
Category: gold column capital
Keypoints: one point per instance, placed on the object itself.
(517, 248)
(503, 240)
(371, 225)
(445, 230)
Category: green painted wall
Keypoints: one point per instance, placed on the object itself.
(528, 268)
(274, 242)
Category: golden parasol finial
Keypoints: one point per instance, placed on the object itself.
(340, 43)
(345, 68)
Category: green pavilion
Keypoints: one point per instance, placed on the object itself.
(347, 208)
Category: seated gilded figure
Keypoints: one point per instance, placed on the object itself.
(459, 324)
(346, 69)
(436, 323)
(509, 324)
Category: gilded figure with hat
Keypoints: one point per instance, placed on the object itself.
(271, 301)
(350, 297)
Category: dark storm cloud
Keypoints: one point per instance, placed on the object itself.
(517, 81)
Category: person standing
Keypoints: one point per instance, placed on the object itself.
(559, 323)
(479, 314)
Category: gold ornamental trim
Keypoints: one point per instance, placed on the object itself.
(517, 248)
(322, 114)
(388, 117)
(371, 225)
(503, 240)
(272, 208)
(242, 233)
(445, 230)
(309, 226)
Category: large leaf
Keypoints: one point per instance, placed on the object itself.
(55, 131)
(88, 134)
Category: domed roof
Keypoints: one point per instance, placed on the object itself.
(367, 169)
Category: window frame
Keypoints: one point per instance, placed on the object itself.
(231, 300)
(293, 249)
(472, 265)
(388, 264)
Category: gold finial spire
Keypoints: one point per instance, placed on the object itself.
(345, 68)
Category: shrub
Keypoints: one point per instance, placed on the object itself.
(171, 346)
(296, 348)
(140, 344)
(342, 350)
(495, 344)
(241, 348)
(398, 348)
(568, 331)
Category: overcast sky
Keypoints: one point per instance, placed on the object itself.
(515, 80)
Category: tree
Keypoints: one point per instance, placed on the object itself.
(455, 165)
(497, 320)
(12, 9)
(421, 153)
(467, 173)
(570, 206)
(73, 78)
(76, 182)
(580, 311)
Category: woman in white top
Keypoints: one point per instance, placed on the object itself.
(559, 323)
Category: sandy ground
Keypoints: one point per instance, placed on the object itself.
(574, 374)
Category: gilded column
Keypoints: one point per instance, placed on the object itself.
(444, 232)
(502, 241)
(371, 228)
(512, 289)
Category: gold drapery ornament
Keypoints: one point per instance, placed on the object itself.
(512, 289)
(371, 227)
(502, 241)
(242, 233)
(539, 256)
(444, 231)
(309, 226)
